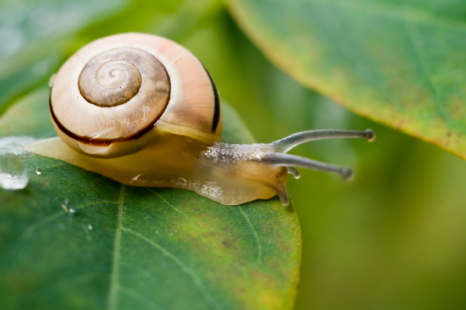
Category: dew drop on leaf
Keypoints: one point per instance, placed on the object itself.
(13, 173)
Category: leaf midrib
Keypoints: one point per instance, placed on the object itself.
(114, 286)
(115, 273)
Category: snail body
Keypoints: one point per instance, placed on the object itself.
(142, 110)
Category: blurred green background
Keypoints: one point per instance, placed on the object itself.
(394, 238)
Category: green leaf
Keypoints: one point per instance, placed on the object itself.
(400, 63)
(123, 247)
(36, 33)
(41, 35)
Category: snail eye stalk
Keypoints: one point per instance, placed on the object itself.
(287, 160)
(287, 143)
(282, 146)
(295, 173)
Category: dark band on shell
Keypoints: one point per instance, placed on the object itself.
(97, 141)
(216, 117)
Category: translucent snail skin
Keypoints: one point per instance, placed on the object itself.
(142, 110)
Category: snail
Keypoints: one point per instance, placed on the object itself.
(143, 110)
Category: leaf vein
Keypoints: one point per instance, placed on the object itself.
(423, 72)
(200, 234)
(256, 235)
(114, 275)
(148, 303)
(197, 281)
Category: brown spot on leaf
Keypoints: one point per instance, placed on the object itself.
(227, 244)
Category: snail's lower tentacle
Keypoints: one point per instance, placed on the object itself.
(282, 194)
(287, 143)
(280, 159)
(295, 173)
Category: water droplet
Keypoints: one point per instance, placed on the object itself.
(13, 173)
(37, 171)
(157, 232)
(89, 227)
(14, 145)
(65, 208)
(171, 234)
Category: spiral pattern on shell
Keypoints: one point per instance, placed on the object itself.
(115, 77)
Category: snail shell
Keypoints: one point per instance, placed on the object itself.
(142, 110)
(118, 93)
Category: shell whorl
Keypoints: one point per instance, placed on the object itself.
(115, 77)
